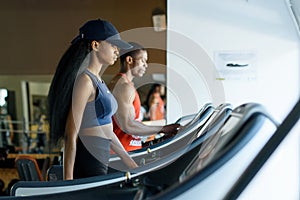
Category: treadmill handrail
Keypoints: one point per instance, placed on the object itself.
(265, 153)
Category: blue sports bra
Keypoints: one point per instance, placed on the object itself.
(100, 111)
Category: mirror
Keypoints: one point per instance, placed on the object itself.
(7, 114)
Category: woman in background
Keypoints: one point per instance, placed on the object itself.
(155, 102)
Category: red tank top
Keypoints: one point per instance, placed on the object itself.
(130, 142)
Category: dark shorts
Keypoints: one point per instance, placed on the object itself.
(92, 156)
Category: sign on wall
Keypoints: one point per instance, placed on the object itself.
(235, 65)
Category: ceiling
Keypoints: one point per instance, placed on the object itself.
(35, 33)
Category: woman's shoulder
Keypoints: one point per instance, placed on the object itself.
(84, 79)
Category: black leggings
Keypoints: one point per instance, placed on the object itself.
(92, 155)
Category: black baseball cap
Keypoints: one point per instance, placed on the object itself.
(101, 30)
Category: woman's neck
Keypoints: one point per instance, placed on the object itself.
(95, 66)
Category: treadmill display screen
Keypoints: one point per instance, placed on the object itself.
(210, 147)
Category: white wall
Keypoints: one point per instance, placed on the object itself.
(267, 30)
(279, 177)
(197, 29)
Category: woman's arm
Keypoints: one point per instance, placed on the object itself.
(69, 147)
(118, 148)
(83, 91)
(152, 107)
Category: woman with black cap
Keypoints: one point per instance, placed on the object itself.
(80, 104)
